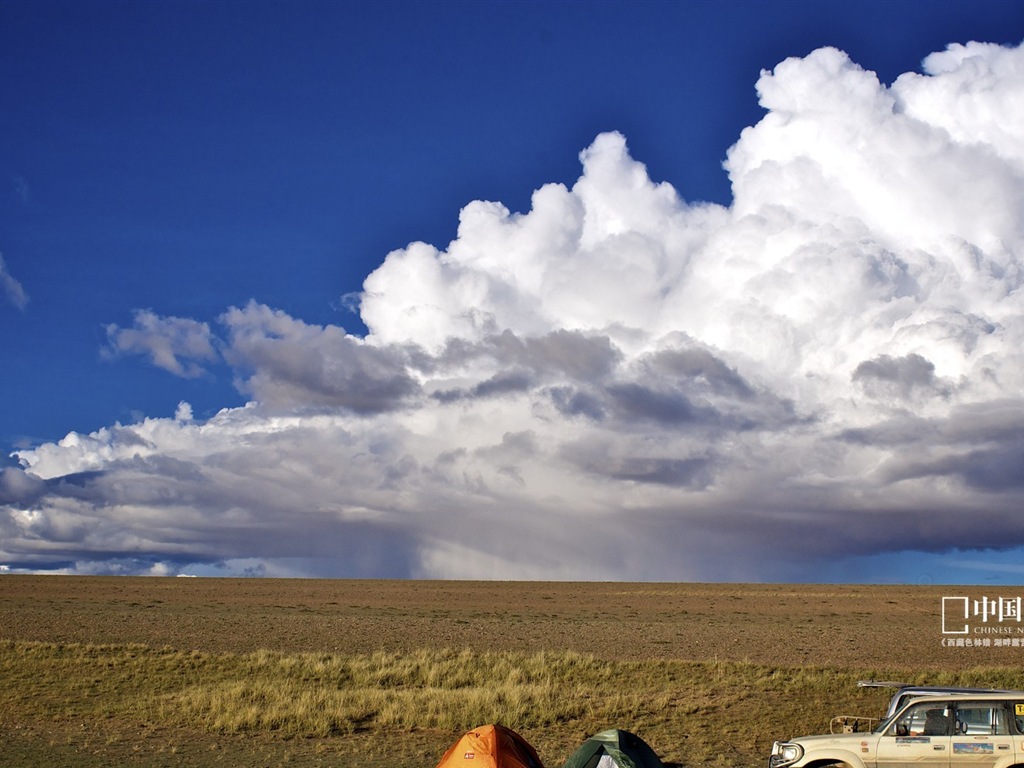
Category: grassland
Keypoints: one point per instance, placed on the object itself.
(187, 672)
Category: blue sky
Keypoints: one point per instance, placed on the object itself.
(163, 163)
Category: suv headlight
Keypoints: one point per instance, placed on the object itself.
(785, 753)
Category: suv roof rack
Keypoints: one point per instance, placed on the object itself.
(881, 684)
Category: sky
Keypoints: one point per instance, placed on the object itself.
(638, 291)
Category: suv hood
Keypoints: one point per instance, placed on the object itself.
(844, 739)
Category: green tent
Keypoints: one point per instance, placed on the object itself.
(614, 749)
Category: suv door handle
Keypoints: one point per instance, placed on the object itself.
(939, 747)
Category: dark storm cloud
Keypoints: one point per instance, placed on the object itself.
(898, 376)
(669, 407)
(297, 365)
(526, 363)
(504, 383)
(689, 385)
(19, 487)
(572, 402)
(559, 354)
(157, 509)
(701, 370)
(680, 473)
(572, 354)
(996, 469)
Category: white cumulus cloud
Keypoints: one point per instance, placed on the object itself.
(618, 383)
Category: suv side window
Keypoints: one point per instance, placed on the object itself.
(1018, 715)
(982, 719)
(925, 719)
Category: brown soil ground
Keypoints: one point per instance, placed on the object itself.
(846, 627)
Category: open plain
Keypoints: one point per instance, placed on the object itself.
(159, 671)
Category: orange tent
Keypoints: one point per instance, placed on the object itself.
(491, 746)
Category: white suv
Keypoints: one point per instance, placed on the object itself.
(935, 731)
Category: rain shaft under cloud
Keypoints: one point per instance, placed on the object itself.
(617, 384)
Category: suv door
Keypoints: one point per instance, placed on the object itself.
(983, 733)
(920, 735)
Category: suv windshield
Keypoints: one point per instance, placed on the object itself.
(988, 718)
(880, 728)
